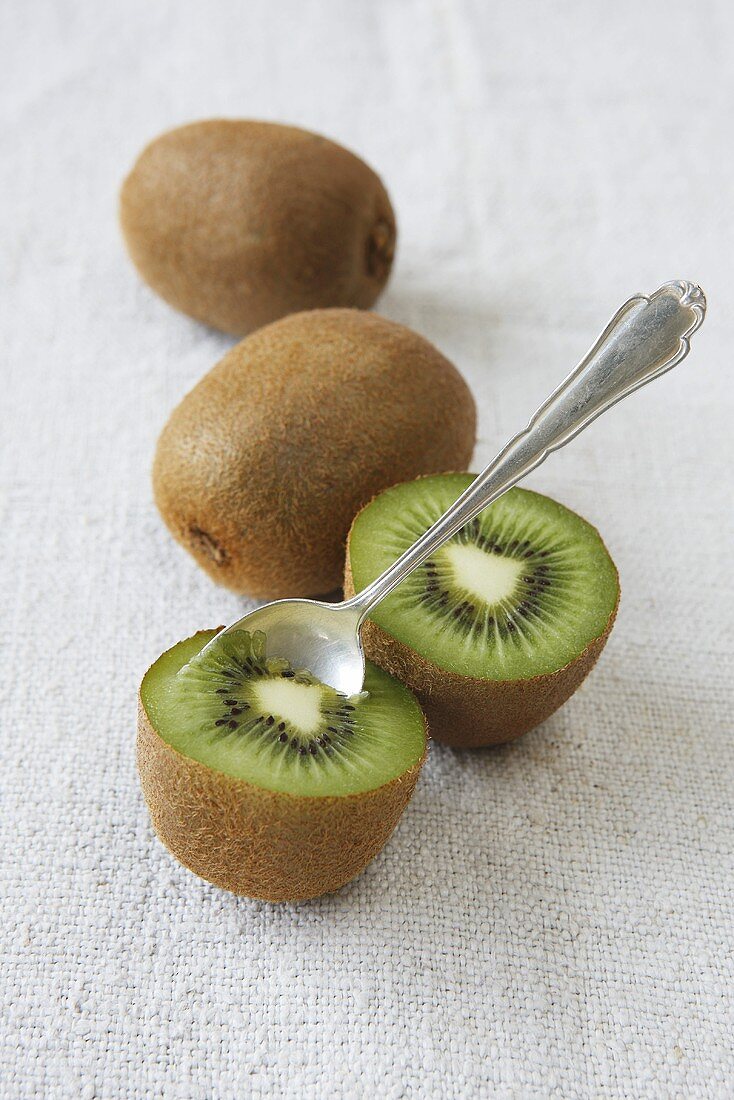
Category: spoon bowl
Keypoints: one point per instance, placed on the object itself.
(322, 637)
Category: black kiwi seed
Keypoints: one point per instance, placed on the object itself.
(288, 674)
(313, 748)
(233, 725)
(281, 726)
(283, 738)
(302, 750)
(221, 722)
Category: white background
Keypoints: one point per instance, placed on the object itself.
(553, 919)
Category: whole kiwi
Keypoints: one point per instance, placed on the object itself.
(264, 464)
(238, 223)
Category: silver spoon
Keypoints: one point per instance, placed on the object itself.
(645, 338)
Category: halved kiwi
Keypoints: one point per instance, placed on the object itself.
(263, 780)
(502, 624)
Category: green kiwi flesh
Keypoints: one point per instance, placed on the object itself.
(256, 719)
(519, 592)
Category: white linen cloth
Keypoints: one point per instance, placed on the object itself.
(553, 919)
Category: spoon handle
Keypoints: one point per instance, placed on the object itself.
(644, 339)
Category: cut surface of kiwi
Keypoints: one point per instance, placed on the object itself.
(502, 624)
(519, 591)
(257, 719)
(264, 781)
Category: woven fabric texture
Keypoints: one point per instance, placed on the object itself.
(553, 919)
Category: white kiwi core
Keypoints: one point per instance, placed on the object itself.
(490, 578)
(298, 704)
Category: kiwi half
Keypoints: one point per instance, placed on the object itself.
(263, 780)
(502, 624)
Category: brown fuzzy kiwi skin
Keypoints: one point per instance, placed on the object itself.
(469, 713)
(238, 222)
(263, 844)
(263, 465)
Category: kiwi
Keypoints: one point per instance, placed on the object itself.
(500, 626)
(264, 781)
(237, 223)
(262, 467)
